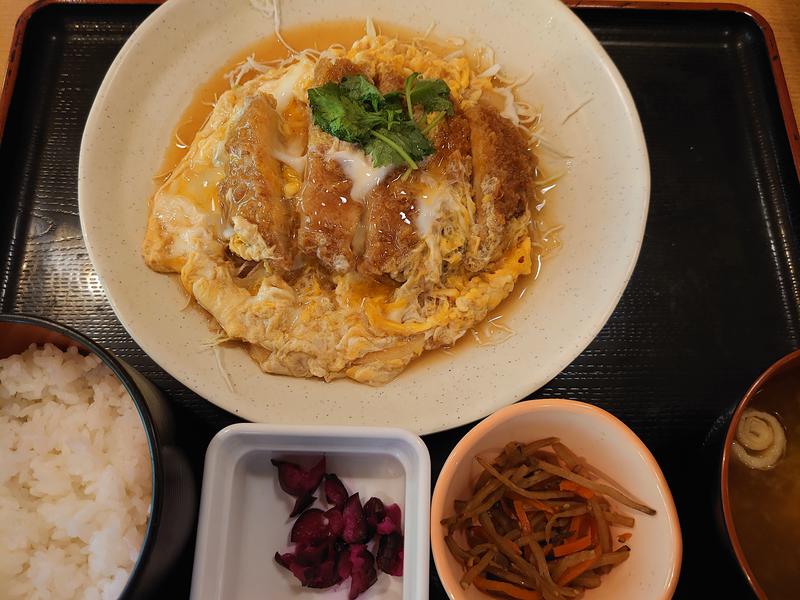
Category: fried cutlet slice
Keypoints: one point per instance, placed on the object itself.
(451, 138)
(388, 79)
(329, 218)
(503, 171)
(393, 208)
(252, 187)
(390, 232)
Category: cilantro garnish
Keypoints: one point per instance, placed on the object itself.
(355, 111)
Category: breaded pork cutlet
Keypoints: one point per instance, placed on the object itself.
(391, 235)
(393, 208)
(451, 138)
(503, 172)
(252, 186)
(329, 218)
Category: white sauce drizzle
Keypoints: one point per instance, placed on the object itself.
(290, 86)
(297, 163)
(358, 169)
(429, 205)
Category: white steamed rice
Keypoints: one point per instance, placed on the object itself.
(75, 474)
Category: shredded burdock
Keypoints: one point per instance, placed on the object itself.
(538, 524)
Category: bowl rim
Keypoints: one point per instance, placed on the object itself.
(145, 416)
(727, 514)
(563, 405)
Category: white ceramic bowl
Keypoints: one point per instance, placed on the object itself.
(244, 515)
(653, 567)
(601, 201)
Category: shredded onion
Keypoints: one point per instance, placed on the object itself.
(271, 10)
(491, 71)
(370, 27)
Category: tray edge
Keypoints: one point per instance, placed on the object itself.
(18, 39)
(778, 74)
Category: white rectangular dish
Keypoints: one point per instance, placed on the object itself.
(244, 515)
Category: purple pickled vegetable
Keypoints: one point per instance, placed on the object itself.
(316, 527)
(382, 519)
(386, 527)
(330, 546)
(356, 529)
(391, 523)
(375, 513)
(390, 554)
(297, 481)
(284, 560)
(335, 492)
(344, 567)
(321, 575)
(335, 522)
(314, 554)
(361, 568)
(302, 503)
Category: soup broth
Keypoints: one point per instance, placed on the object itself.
(766, 504)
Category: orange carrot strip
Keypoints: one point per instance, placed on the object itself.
(488, 585)
(573, 546)
(525, 524)
(576, 525)
(586, 526)
(575, 571)
(624, 537)
(571, 486)
(592, 528)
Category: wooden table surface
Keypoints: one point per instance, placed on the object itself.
(782, 15)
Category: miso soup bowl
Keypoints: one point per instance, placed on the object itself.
(788, 362)
(174, 497)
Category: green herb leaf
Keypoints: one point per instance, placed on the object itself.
(393, 116)
(432, 94)
(338, 114)
(403, 143)
(408, 88)
(355, 111)
(394, 101)
(360, 89)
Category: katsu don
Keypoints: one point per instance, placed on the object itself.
(342, 212)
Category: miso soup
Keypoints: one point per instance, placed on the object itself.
(765, 501)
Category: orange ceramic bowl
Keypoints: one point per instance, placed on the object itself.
(656, 548)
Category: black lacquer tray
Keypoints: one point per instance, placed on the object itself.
(715, 297)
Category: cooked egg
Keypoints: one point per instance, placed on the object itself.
(325, 265)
